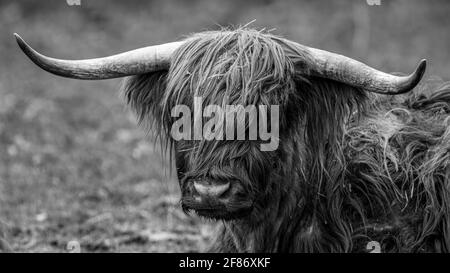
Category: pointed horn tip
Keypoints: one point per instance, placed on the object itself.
(417, 75)
(421, 67)
(19, 39)
(23, 45)
(412, 80)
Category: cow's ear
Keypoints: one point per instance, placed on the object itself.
(326, 105)
(144, 93)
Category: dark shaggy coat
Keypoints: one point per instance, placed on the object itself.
(352, 167)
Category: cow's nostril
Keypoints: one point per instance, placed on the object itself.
(210, 189)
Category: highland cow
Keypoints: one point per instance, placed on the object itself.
(354, 164)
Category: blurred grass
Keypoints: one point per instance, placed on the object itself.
(74, 165)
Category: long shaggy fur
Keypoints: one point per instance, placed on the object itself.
(352, 167)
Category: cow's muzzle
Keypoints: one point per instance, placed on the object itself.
(215, 199)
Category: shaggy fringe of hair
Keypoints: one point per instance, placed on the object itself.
(372, 167)
(215, 65)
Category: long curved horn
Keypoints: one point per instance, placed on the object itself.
(343, 69)
(138, 61)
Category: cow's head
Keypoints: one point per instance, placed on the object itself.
(231, 178)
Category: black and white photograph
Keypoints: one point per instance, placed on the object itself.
(211, 126)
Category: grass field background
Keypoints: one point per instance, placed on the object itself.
(73, 163)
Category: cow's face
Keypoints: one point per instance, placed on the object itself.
(230, 178)
(224, 178)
